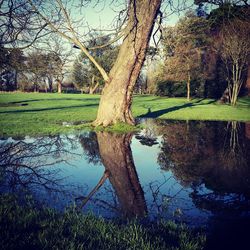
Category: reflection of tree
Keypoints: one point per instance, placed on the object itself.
(185, 150)
(194, 151)
(232, 203)
(118, 160)
(209, 153)
(29, 163)
(148, 135)
(234, 145)
(116, 156)
(90, 146)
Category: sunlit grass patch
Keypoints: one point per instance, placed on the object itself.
(43, 114)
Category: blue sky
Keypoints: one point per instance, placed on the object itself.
(102, 15)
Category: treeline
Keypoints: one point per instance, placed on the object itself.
(203, 55)
(56, 67)
(43, 68)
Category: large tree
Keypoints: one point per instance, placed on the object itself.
(115, 104)
(116, 99)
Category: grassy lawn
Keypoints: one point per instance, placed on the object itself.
(27, 227)
(38, 113)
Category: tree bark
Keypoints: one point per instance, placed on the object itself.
(50, 81)
(59, 87)
(225, 96)
(93, 87)
(248, 80)
(116, 99)
(188, 86)
(116, 156)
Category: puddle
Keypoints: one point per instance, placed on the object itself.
(193, 172)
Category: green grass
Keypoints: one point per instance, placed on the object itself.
(27, 227)
(38, 114)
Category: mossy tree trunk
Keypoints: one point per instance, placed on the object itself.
(116, 99)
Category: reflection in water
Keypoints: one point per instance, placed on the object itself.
(29, 164)
(148, 134)
(247, 130)
(116, 155)
(199, 152)
(90, 146)
(188, 169)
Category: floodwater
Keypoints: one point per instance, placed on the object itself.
(193, 172)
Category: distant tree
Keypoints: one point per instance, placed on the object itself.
(51, 68)
(184, 46)
(223, 11)
(79, 75)
(154, 74)
(234, 49)
(60, 58)
(42, 69)
(36, 65)
(104, 56)
(222, 14)
(141, 84)
(46, 66)
(11, 66)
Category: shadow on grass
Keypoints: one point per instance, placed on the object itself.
(57, 99)
(47, 109)
(161, 112)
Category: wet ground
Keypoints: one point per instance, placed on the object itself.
(192, 172)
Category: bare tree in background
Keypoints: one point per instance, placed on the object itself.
(184, 45)
(19, 25)
(61, 57)
(235, 52)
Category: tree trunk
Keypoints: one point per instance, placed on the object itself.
(92, 90)
(248, 80)
(188, 86)
(116, 99)
(59, 87)
(117, 158)
(50, 81)
(93, 87)
(225, 96)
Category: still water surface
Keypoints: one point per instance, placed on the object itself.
(193, 172)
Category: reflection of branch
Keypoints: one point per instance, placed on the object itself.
(232, 141)
(101, 203)
(95, 189)
(27, 164)
(158, 196)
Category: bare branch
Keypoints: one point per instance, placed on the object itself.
(74, 39)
